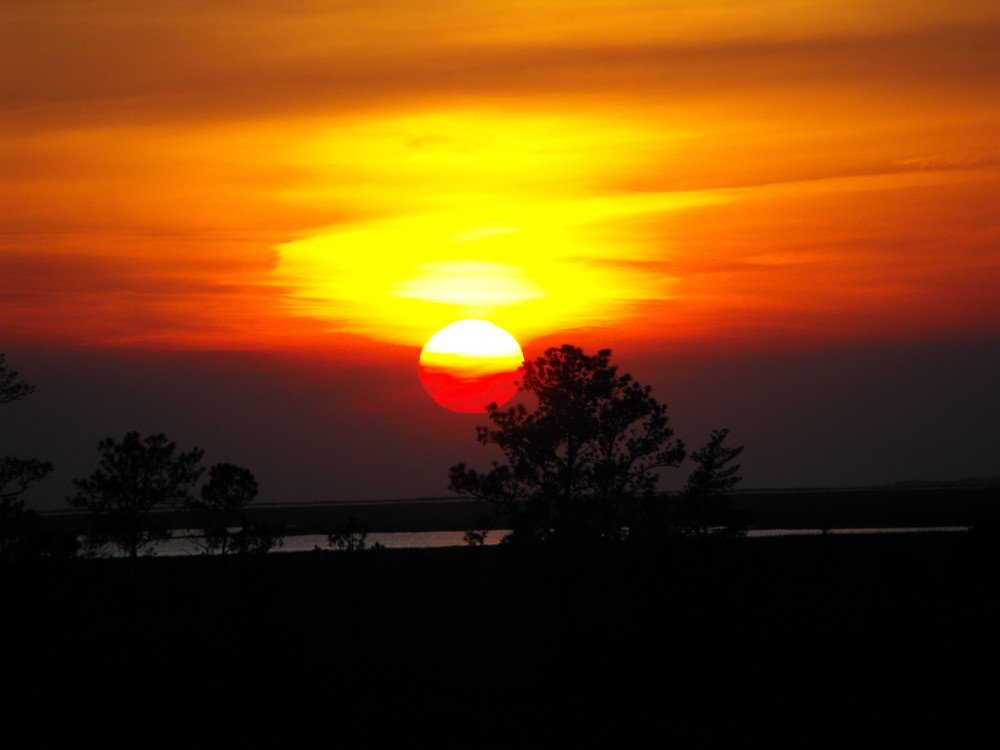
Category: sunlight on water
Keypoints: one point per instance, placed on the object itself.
(185, 543)
(758, 533)
(394, 540)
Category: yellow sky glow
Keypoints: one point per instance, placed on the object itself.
(506, 223)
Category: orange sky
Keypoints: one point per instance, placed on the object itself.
(270, 175)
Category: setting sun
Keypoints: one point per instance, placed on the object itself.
(469, 364)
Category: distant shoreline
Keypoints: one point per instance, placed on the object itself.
(948, 506)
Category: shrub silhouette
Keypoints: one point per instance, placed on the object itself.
(351, 537)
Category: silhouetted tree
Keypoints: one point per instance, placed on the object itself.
(221, 513)
(704, 501)
(16, 476)
(135, 477)
(594, 442)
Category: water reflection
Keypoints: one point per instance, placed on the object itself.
(393, 540)
(189, 544)
(810, 532)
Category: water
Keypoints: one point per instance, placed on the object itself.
(393, 540)
(758, 533)
(187, 543)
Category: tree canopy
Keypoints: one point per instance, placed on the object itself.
(221, 512)
(134, 477)
(593, 444)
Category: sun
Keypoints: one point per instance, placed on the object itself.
(469, 364)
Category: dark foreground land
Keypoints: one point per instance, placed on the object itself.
(720, 620)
